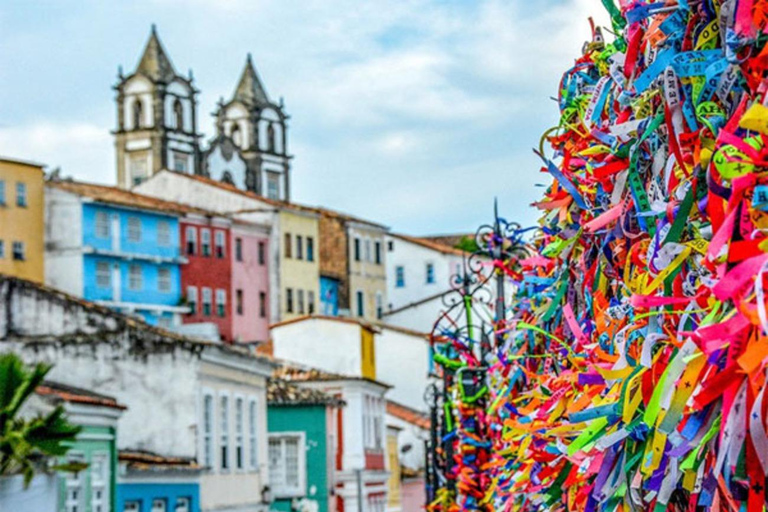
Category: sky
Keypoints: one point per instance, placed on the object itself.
(412, 113)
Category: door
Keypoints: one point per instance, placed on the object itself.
(115, 231)
(116, 297)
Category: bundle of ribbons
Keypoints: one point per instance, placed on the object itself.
(632, 370)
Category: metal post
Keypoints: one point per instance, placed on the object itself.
(497, 255)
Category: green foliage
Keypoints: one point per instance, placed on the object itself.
(26, 443)
(467, 244)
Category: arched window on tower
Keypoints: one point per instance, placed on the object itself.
(138, 113)
(271, 141)
(226, 177)
(178, 114)
(236, 135)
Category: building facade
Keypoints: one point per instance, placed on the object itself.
(186, 398)
(149, 482)
(250, 281)
(115, 248)
(22, 219)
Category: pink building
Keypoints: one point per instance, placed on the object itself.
(250, 282)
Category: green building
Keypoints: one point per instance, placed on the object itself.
(92, 489)
(303, 447)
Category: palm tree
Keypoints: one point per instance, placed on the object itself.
(26, 443)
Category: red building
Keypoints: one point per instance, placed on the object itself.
(206, 279)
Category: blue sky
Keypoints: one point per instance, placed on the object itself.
(413, 113)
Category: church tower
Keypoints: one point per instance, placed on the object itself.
(250, 150)
(156, 118)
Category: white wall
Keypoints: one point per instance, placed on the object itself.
(217, 165)
(410, 435)
(42, 493)
(403, 360)
(328, 345)
(63, 241)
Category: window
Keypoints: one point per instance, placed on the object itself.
(252, 443)
(288, 300)
(377, 252)
(159, 505)
(271, 139)
(163, 233)
(205, 242)
(239, 462)
(131, 506)
(100, 480)
(74, 498)
(239, 249)
(300, 301)
(224, 432)
(287, 249)
(180, 161)
(138, 113)
(262, 253)
(164, 280)
(183, 505)
(299, 247)
(378, 442)
(21, 194)
(165, 321)
(262, 305)
(239, 301)
(191, 240)
(103, 275)
(221, 302)
(390, 245)
(379, 305)
(400, 276)
(273, 187)
(134, 229)
(236, 135)
(207, 298)
(135, 277)
(287, 466)
(357, 249)
(430, 273)
(2, 249)
(208, 431)
(192, 299)
(2, 193)
(310, 302)
(18, 251)
(367, 249)
(220, 244)
(178, 114)
(310, 249)
(139, 170)
(360, 304)
(102, 225)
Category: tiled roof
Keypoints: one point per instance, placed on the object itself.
(408, 414)
(429, 244)
(71, 394)
(10, 160)
(282, 392)
(142, 460)
(125, 322)
(377, 327)
(122, 197)
(298, 373)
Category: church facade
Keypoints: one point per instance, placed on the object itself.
(157, 129)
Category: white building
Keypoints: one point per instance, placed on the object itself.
(185, 398)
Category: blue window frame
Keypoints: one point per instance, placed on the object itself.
(430, 273)
(400, 276)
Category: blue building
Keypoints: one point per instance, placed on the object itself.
(329, 296)
(116, 248)
(152, 483)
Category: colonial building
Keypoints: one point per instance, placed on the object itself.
(156, 118)
(21, 219)
(157, 129)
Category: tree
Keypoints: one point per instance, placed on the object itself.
(26, 443)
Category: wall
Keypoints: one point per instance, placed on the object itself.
(413, 495)
(294, 273)
(23, 224)
(310, 419)
(63, 241)
(334, 255)
(366, 275)
(394, 495)
(402, 358)
(253, 278)
(42, 493)
(307, 342)
(144, 493)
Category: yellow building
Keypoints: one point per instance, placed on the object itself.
(22, 228)
(299, 262)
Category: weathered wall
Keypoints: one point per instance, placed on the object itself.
(402, 359)
(330, 345)
(334, 254)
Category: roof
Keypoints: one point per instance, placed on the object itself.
(294, 372)
(19, 161)
(340, 319)
(282, 392)
(408, 414)
(250, 90)
(135, 325)
(70, 394)
(449, 239)
(142, 460)
(154, 62)
(430, 244)
(122, 197)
